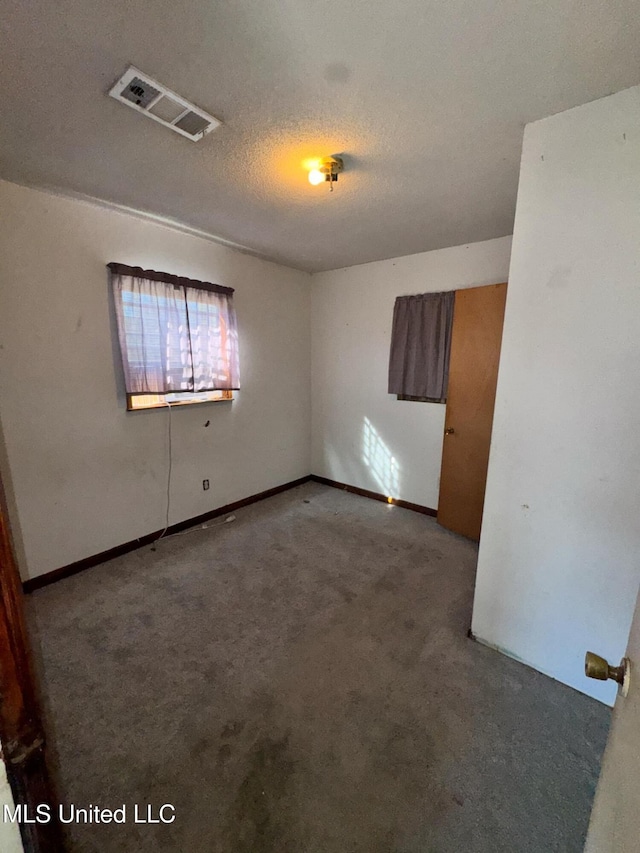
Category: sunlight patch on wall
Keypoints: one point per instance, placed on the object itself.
(380, 461)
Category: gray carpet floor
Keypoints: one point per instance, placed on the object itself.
(300, 681)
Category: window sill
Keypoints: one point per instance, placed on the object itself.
(408, 398)
(144, 402)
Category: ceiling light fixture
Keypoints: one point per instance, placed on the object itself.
(326, 169)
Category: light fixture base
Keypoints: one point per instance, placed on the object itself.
(331, 167)
(327, 169)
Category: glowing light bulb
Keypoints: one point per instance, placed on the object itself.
(316, 177)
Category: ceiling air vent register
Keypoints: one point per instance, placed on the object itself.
(151, 98)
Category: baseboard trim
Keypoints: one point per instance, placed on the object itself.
(32, 584)
(375, 496)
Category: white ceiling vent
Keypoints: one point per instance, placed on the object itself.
(153, 99)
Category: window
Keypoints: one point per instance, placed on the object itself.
(178, 338)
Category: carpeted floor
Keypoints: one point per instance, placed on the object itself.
(300, 681)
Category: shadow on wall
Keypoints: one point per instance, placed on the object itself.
(380, 461)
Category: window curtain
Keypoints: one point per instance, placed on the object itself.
(421, 345)
(176, 334)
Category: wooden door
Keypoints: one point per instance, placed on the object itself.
(21, 731)
(473, 372)
(615, 820)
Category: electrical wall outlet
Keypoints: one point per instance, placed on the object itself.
(205, 485)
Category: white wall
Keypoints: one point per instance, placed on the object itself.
(87, 475)
(559, 562)
(362, 435)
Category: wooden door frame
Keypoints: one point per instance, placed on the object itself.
(21, 729)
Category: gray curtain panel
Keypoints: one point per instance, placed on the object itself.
(421, 345)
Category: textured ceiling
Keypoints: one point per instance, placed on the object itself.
(425, 99)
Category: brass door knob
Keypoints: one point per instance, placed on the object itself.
(449, 431)
(597, 667)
